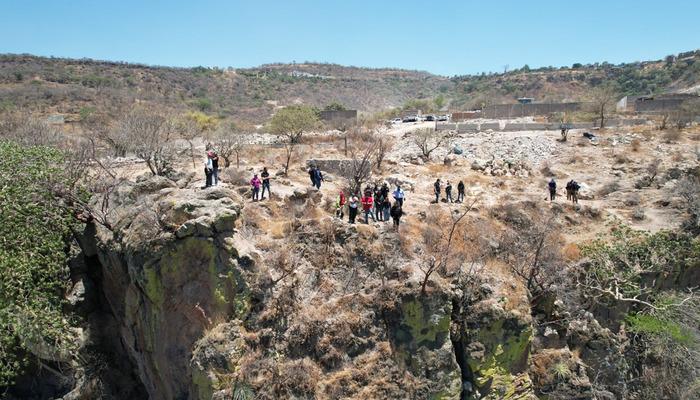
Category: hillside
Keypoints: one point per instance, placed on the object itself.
(57, 85)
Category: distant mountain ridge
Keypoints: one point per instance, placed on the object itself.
(60, 85)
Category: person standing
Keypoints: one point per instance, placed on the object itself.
(552, 189)
(339, 204)
(367, 207)
(312, 175)
(318, 178)
(448, 192)
(352, 208)
(208, 168)
(385, 190)
(255, 183)
(574, 191)
(214, 167)
(378, 202)
(460, 192)
(437, 190)
(399, 195)
(396, 213)
(386, 208)
(265, 184)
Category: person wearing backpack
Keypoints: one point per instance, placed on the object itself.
(460, 192)
(552, 189)
(318, 178)
(569, 189)
(265, 184)
(255, 183)
(396, 213)
(574, 191)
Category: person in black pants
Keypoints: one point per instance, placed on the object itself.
(437, 190)
(552, 189)
(215, 168)
(265, 183)
(396, 213)
(460, 192)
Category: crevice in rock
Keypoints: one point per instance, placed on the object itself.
(107, 361)
(461, 353)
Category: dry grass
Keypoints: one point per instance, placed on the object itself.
(571, 252)
(672, 136)
(636, 145)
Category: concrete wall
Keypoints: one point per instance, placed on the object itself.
(533, 126)
(658, 105)
(527, 110)
(338, 115)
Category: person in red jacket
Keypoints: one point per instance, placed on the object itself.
(339, 204)
(368, 206)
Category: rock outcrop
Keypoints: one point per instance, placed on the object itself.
(171, 269)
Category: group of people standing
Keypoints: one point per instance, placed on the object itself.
(437, 190)
(572, 188)
(375, 204)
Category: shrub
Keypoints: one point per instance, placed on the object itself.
(34, 232)
(672, 136)
(636, 145)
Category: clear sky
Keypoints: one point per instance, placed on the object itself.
(443, 37)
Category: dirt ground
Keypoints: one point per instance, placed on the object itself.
(614, 164)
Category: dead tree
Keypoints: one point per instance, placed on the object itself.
(383, 145)
(150, 135)
(439, 242)
(359, 168)
(428, 140)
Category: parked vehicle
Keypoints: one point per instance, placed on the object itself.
(396, 121)
(410, 118)
(429, 118)
(442, 118)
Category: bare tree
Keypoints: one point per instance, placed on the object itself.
(359, 168)
(150, 135)
(602, 100)
(428, 140)
(383, 146)
(344, 125)
(28, 130)
(100, 126)
(438, 252)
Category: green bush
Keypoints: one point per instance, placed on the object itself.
(34, 229)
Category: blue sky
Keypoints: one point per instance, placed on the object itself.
(443, 37)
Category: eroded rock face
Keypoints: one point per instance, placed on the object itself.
(170, 270)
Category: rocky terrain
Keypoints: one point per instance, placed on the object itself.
(192, 293)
